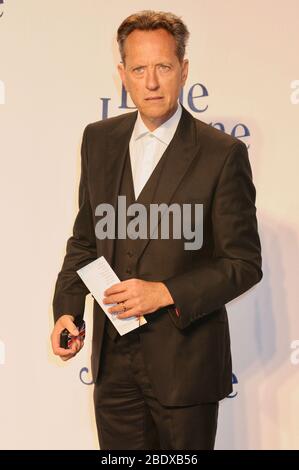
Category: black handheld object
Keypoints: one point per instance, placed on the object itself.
(66, 338)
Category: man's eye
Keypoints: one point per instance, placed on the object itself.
(139, 70)
(164, 67)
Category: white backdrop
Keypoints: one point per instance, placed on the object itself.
(57, 62)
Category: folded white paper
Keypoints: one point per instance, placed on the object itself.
(99, 276)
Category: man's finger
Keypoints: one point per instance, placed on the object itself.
(70, 326)
(114, 299)
(115, 289)
(129, 313)
(119, 308)
(66, 358)
(62, 351)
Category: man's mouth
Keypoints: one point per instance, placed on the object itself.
(154, 98)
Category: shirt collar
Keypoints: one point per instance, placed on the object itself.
(164, 133)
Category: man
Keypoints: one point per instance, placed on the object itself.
(158, 387)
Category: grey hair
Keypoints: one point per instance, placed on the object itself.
(149, 20)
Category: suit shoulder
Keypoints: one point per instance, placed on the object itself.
(215, 138)
(108, 124)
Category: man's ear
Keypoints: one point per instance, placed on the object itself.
(121, 71)
(185, 68)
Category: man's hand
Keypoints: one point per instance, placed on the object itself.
(137, 297)
(66, 321)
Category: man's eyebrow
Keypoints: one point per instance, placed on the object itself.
(136, 66)
(169, 64)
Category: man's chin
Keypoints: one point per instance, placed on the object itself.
(154, 114)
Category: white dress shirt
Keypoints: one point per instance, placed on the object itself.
(146, 147)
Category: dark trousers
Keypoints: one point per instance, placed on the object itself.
(128, 414)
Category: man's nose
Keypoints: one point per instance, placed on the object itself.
(151, 80)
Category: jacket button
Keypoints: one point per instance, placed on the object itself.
(128, 271)
(130, 254)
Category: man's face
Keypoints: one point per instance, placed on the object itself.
(153, 74)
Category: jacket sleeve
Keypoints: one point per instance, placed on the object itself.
(236, 262)
(70, 291)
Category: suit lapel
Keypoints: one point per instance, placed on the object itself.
(117, 147)
(178, 157)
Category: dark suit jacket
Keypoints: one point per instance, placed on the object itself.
(188, 356)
